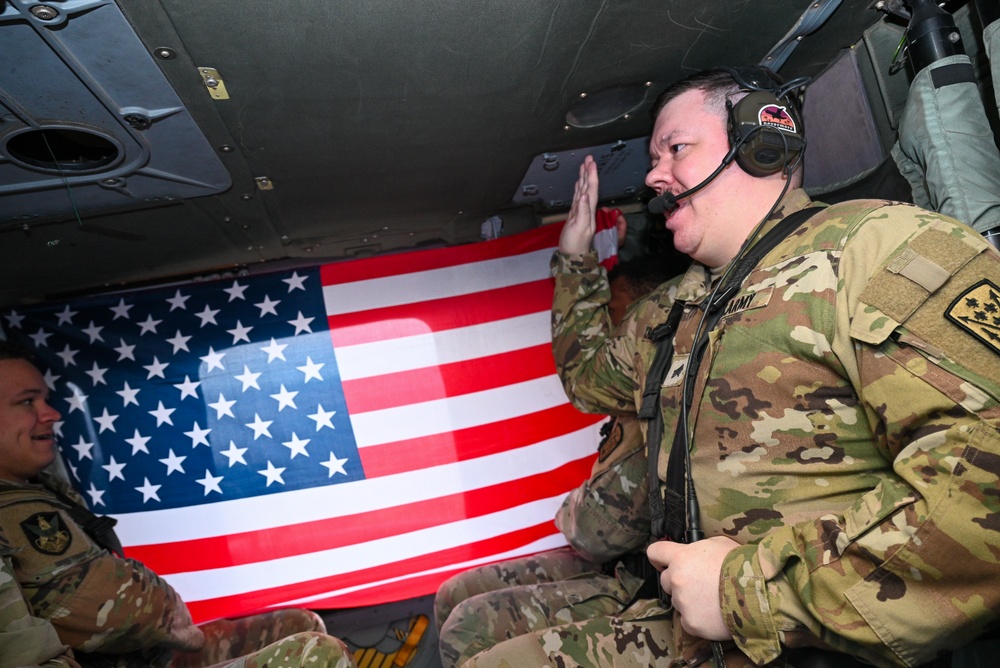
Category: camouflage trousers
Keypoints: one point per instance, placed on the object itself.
(512, 614)
(292, 637)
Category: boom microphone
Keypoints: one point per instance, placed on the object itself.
(666, 203)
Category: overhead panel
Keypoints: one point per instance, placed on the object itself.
(87, 120)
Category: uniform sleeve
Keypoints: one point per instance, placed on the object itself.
(608, 515)
(25, 640)
(96, 601)
(595, 368)
(910, 569)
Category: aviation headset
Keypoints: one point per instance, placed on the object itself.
(765, 126)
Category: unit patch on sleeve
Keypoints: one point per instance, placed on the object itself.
(977, 311)
(46, 534)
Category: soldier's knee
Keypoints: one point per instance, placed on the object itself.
(300, 620)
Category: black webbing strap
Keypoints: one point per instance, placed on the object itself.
(668, 512)
(100, 528)
(663, 337)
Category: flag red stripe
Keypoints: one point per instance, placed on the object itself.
(392, 322)
(262, 598)
(328, 534)
(405, 263)
(398, 590)
(464, 444)
(448, 380)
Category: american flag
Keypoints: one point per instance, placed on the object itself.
(343, 435)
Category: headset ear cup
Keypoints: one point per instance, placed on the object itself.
(767, 134)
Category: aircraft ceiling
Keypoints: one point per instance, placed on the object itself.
(153, 140)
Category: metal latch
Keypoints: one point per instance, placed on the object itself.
(216, 86)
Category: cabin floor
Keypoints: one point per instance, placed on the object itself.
(375, 634)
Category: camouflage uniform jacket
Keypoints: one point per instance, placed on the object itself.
(608, 515)
(96, 601)
(844, 426)
(25, 640)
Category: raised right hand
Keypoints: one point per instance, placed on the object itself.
(579, 229)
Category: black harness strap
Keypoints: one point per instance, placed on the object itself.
(668, 512)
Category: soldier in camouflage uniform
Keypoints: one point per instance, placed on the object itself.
(72, 591)
(604, 519)
(844, 439)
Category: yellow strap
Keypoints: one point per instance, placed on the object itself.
(405, 653)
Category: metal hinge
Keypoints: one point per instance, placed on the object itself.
(216, 86)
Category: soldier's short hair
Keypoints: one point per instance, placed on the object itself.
(13, 351)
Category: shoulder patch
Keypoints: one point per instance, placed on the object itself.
(46, 534)
(611, 438)
(977, 311)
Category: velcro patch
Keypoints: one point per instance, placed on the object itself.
(46, 534)
(977, 311)
(611, 438)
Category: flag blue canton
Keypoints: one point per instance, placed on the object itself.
(189, 395)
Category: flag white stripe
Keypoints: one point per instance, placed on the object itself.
(234, 580)
(424, 286)
(309, 505)
(548, 543)
(365, 360)
(468, 410)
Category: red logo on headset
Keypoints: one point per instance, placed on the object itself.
(776, 116)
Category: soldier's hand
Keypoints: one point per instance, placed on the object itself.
(578, 232)
(690, 574)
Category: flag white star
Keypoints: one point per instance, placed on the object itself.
(128, 394)
(83, 448)
(178, 301)
(57, 428)
(114, 469)
(240, 332)
(66, 316)
(96, 374)
(95, 495)
(41, 338)
(223, 407)
(274, 351)
(311, 370)
(295, 282)
(149, 325)
(210, 482)
(156, 368)
(297, 445)
(267, 306)
(121, 311)
(14, 319)
(50, 379)
(213, 359)
(189, 388)
(148, 490)
(322, 417)
(107, 422)
(76, 401)
(179, 342)
(207, 315)
(198, 435)
(162, 414)
(248, 378)
(260, 427)
(334, 465)
(93, 332)
(138, 442)
(67, 356)
(301, 324)
(272, 473)
(235, 454)
(173, 462)
(285, 398)
(236, 291)
(125, 351)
